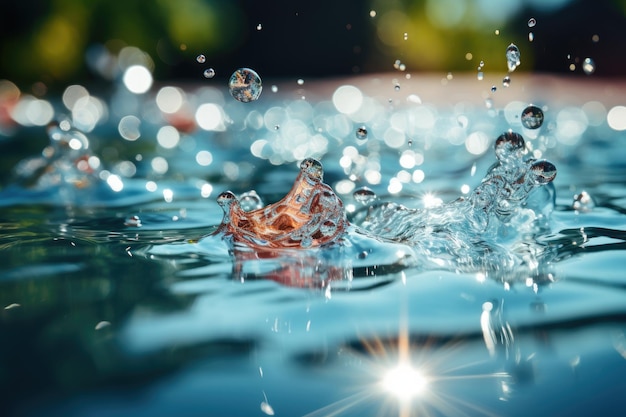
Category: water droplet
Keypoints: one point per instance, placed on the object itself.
(542, 171)
(372, 13)
(532, 117)
(493, 88)
(312, 168)
(361, 133)
(274, 89)
(532, 22)
(583, 202)
(481, 64)
(531, 37)
(133, 221)
(245, 85)
(250, 200)
(259, 27)
(506, 81)
(276, 127)
(300, 81)
(595, 38)
(209, 73)
(480, 76)
(201, 59)
(589, 66)
(512, 57)
(397, 87)
(406, 36)
(509, 146)
(364, 195)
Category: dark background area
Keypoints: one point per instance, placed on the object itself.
(49, 41)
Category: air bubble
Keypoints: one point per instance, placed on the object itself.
(589, 66)
(245, 85)
(364, 195)
(209, 73)
(506, 81)
(361, 133)
(201, 59)
(532, 117)
(512, 57)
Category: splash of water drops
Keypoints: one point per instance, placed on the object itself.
(209, 73)
(532, 117)
(245, 85)
(364, 195)
(589, 66)
(583, 202)
(512, 57)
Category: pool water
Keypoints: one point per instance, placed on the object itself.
(118, 298)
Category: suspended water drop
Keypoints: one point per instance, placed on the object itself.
(201, 59)
(506, 81)
(589, 66)
(397, 87)
(583, 202)
(532, 117)
(276, 127)
(274, 89)
(133, 221)
(250, 200)
(542, 172)
(300, 81)
(493, 88)
(209, 73)
(481, 64)
(480, 75)
(364, 195)
(361, 133)
(509, 146)
(531, 37)
(259, 27)
(245, 85)
(512, 57)
(532, 22)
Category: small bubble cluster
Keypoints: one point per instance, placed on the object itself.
(245, 85)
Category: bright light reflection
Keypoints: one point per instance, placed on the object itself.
(137, 79)
(404, 381)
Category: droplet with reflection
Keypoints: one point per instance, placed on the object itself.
(245, 85)
(364, 195)
(532, 117)
(512, 57)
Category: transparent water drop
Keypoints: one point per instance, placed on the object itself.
(532, 117)
(583, 202)
(300, 81)
(361, 133)
(397, 87)
(209, 73)
(589, 66)
(542, 172)
(506, 81)
(481, 64)
(259, 27)
(364, 195)
(532, 22)
(531, 36)
(512, 57)
(201, 59)
(509, 146)
(493, 88)
(250, 200)
(274, 89)
(245, 85)
(480, 75)
(132, 221)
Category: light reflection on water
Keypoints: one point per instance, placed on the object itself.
(190, 325)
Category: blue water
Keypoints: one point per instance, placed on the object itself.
(102, 316)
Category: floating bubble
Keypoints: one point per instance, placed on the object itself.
(201, 59)
(583, 202)
(361, 133)
(364, 195)
(506, 81)
(589, 66)
(209, 73)
(512, 57)
(532, 22)
(532, 117)
(245, 85)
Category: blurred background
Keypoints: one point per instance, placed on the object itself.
(48, 44)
